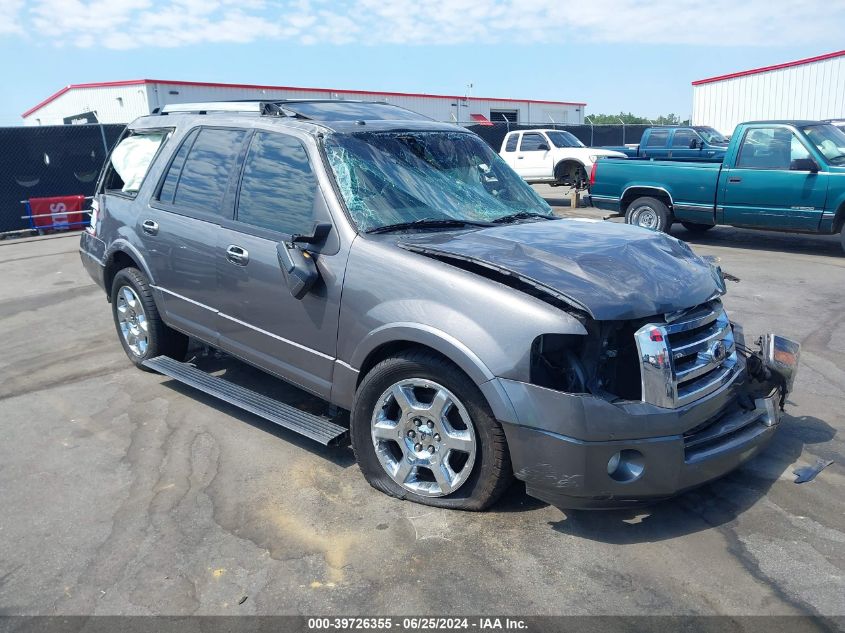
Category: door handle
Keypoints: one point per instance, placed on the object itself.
(150, 227)
(520, 157)
(734, 179)
(237, 255)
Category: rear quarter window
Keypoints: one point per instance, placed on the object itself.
(130, 161)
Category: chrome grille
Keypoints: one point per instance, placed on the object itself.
(687, 356)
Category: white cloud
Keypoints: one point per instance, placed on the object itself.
(170, 23)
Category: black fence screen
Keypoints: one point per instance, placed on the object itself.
(590, 135)
(45, 161)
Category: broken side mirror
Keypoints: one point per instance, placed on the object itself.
(297, 264)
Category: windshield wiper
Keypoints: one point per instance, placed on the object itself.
(427, 223)
(523, 215)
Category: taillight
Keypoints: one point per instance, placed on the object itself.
(95, 213)
(593, 173)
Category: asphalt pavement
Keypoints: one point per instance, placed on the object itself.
(122, 492)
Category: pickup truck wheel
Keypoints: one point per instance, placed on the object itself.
(649, 213)
(422, 431)
(139, 327)
(842, 239)
(695, 227)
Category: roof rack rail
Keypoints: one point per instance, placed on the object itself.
(273, 108)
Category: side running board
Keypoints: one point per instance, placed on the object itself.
(313, 426)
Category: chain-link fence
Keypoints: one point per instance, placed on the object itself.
(47, 161)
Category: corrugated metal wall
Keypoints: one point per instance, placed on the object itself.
(810, 91)
(122, 104)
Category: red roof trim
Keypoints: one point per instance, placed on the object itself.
(133, 82)
(755, 71)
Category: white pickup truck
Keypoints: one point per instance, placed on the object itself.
(551, 156)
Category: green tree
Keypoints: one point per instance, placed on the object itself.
(631, 119)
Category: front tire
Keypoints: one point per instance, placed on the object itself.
(649, 213)
(140, 329)
(422, 431)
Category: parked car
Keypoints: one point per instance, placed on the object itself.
(397, 268)
(678, 143)
(555, 157)
(777, 175)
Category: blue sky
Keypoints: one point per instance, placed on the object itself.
(616, 55)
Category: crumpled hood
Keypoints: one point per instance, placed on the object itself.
(612, 271)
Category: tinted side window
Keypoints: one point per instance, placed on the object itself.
(208, 166)
(657, 138)
(683, 138)
(168, 188)
(278, 185)
(511, 146)
(532, 142)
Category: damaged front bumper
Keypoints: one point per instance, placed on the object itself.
(581, 451)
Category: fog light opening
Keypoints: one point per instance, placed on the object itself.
(626, 466)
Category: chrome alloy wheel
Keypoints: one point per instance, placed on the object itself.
(646, 217)
(132, 321)
(424, 438)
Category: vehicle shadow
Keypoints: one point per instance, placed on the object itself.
(712, 505)
(247, 376)
(758, 240)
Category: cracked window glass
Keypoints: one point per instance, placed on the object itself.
(391, 177)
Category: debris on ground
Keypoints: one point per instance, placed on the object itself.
(808, 473)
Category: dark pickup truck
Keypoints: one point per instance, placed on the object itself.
(777, 175)
(699, 143)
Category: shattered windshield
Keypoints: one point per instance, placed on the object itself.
(389, 178)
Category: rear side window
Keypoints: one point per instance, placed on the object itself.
(205, 170)
(130, 161)
(168, 189)
(278, 185)
(511, 144)
(657, 138)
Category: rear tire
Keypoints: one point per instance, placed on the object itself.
(649, 213)
(140, 329)
(695, 227)
(421, 430)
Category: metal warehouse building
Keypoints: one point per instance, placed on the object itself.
(812, 88)
(122, 101)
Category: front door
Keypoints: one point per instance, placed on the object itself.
(180, 228)
(259, 320)
(534, 157)
(762, 191)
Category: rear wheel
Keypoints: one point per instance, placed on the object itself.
(695, 227)
(422, 431)
(842, 239)
(649, 213)
(139, 327)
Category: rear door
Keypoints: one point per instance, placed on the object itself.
(180, 227)
(761, 189)
(259, 320)
(656, 145)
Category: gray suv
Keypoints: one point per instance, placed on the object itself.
(397, 268)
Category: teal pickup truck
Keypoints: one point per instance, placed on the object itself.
(776, 175)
